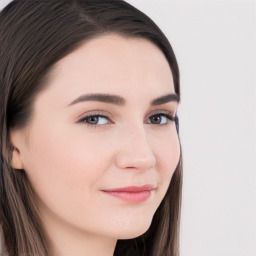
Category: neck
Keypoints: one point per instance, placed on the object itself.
(69, 244)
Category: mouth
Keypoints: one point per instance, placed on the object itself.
(132, 194)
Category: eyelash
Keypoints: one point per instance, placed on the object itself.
(167, 115)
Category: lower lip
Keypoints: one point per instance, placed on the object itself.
(131, 197)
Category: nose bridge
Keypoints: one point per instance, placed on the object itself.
(135, 150)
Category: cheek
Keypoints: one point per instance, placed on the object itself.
(64, 167)
(168, 155)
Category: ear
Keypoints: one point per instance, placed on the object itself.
(16, 161)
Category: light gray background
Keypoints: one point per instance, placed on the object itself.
(214, 42)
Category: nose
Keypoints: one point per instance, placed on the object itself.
(134, 150)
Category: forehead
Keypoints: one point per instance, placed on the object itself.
(113, 64)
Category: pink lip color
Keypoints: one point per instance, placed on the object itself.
(132, 194)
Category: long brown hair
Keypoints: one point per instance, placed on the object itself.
(34, 35)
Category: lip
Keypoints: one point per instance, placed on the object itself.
(132, 188)
(132, 194)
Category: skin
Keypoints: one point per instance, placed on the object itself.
(69, 163)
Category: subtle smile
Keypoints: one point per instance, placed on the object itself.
(132, 194)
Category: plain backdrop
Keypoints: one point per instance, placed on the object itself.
(214, 42)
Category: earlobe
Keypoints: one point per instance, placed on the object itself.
(16, 161)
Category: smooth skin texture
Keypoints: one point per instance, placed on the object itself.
(69, 163)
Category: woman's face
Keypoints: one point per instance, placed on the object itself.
(71, 159)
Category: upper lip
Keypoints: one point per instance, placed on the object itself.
(132, 188)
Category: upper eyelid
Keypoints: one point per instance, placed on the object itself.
(162, 111)
(106, 114)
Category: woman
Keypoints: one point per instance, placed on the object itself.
(91, 161)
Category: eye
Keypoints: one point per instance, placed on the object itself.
(94, 120)
(161, 118)
(97, 119)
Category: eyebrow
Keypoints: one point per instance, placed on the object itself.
(120, 101)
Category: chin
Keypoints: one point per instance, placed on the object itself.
(133, 231)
